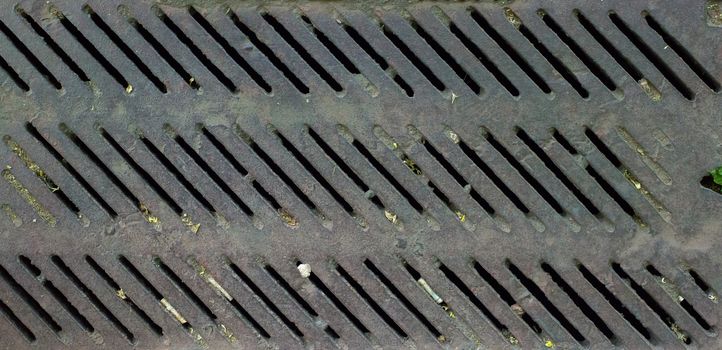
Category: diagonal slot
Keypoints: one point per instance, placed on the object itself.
(510, 51)
(79, 178)
(92, 297)
(34, 60)
(652, 56)
(123, 296)
(266, 51)
(380, 61)
(125, 49)
(577, 50)
(312, 62)
(196, 51)
(257, 78)
(300, 301)
(555, 62)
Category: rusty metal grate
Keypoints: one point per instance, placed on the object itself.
(353, 175)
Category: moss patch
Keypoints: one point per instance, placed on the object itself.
(713, 181)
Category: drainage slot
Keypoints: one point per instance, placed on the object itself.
(57, 294)
(224, 151)
(482, 57)
(505, 332)
(230, 50)
(162, 52)
(193, 297)
(14, 75)
(124, 47)
(471, 154)
(42, 176)
(337, 302)
(558, 172)
(288, 37)
(541, 296)
(697, 317)
(300, 301)
(704, 286)
(577, 50)
(53, 45)
(93, 51)
(510, 51)
(457, 176)
(278, 171)
(421, 66)
(143, 174)
(383, 64)
(607, 45)
(614, 302)
(13, 318)
(623, 62)
(39, 66)
(183, 287)
(92, 297)
(626, 207)
(173, 170)
(448, 58)
(524, 173)
(409, 306)
(580, 303)
(682, 52)
(345, 168)
(271, 306)
(652, 56)
(465, 329)
(507, 298)
(206, 275)
(332, 48)
(415, 169)
(544, 51)
(699, 281)
(79, 178)
(28, 299)
(603, 148)
(104, 168)
(628, 175)
(371, 302)
(679, 333)
(182, 37)
(314, 172)
(261, 46)
(385, 173)
(121, 294)
(285, 214)
(164, 303)
(211, 173)
(675, 293)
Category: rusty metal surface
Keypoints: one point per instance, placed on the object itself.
(216, 148)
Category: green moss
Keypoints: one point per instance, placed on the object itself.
(717, 175)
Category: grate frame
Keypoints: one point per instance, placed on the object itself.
(317, 212)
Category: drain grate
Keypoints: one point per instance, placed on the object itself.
(346, 175)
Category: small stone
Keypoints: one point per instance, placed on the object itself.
(305, 270)
(517, 309)
(391, 216)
